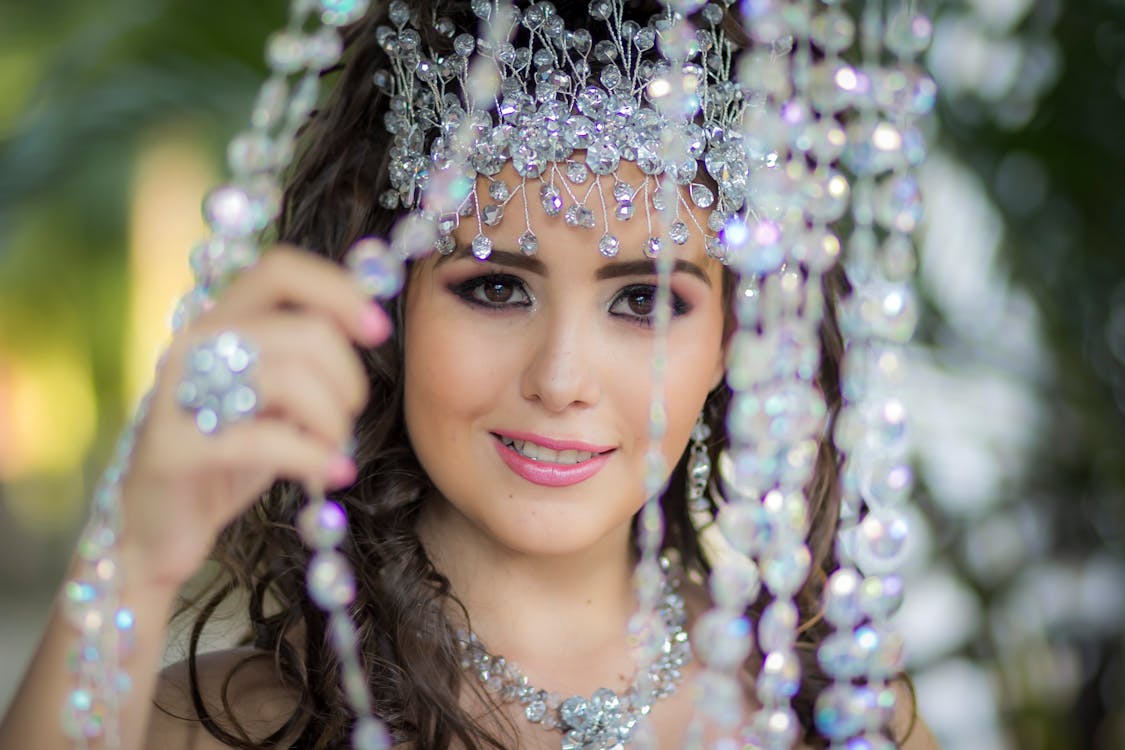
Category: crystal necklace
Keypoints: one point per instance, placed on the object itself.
(605, 720)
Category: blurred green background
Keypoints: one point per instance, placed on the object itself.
(113, 120)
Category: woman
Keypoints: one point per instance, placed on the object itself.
(501, 418)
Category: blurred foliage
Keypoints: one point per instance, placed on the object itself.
(84, 85)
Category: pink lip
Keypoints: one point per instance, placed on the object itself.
(551, 474)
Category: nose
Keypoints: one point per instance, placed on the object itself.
(561, 369)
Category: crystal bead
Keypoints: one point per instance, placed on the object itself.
(777, 727)
(444, 244)
(777, 628)
(285, 52)
(735, 583)
(322, 525)
(645, 38)
(838, 656)
(624, 210)
(551, 199)
(841, 598)
(399, 12)
(826, 199)
(576, 172)
(482, 247)
(622, 191)
(270, 105)
(579, 216)
(840, 710)
(701, 195)
(882, 542)
(492, 214)
(600, 9)
(605, 51)
(779, 678)
(379, 274)
(898, 204)
(908, 34)
(464, 44)
(535, 711)
(574, 712)
(722, 640)
(252, 151)
(330, 580)
(745, 526)
(591, 102)
(678, 232)
(881, 596)
(603, 156)
(529, 243)
(653, 246)
(611, 77)
(908, 92)
(833, 30)
(229, 211)
(608, 245)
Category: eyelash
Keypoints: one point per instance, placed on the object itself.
(469, 290)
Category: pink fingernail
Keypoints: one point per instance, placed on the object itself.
(374, 323)
(341, 471)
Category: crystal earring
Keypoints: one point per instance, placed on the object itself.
(699, 467)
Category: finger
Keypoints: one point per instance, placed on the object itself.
(281, 449)
(316, 344)
(289, 277)
(295, 392)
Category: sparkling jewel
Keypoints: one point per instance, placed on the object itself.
(529, 243)
(379, 273)
(605, 720)
(492, 214)
(608, 245)
(482, 247)
(579, 216)
(551, 199)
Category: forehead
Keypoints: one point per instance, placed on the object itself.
(568, 206)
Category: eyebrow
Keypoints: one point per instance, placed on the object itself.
(612, 270)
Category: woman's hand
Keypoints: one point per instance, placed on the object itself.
(303, 314)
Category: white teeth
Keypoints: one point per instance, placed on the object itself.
(541, 453)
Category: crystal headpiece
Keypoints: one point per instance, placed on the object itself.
(536, 93)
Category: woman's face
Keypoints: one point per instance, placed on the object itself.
(528, 379)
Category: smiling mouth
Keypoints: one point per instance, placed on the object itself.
(530, 450)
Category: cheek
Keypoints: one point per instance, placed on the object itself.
(695, 359)
(451, 372)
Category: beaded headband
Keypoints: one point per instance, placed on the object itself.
(794, 137)
(539, 104)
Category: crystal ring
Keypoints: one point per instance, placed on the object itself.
(217, 384)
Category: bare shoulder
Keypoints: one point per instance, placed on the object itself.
(907, 725)
(240, 690)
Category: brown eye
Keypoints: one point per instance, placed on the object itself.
(641, 302)
(637, 303)
(497, 292)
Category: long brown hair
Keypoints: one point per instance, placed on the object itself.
(407, 642)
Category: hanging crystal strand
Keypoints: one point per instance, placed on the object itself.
(331, 584)
(777, 414)
(878, 320)
(92, 604)
(237, 215)
(646, 627)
